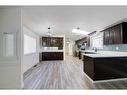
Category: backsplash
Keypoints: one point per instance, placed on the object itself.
(119, 47)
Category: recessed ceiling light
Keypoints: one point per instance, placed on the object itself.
(79, 32)
(68, 42)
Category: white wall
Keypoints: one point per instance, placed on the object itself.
(71, 45)
(67, 48)
(10, 67)
(29, 60)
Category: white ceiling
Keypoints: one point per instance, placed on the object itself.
(62, 19)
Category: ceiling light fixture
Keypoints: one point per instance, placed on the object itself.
(49, 32)
(68, 41)
(79, 32)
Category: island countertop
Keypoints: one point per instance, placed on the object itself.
(101, 54)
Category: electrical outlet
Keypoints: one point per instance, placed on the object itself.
(117, 48)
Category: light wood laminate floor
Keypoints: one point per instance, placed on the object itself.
(66, 74)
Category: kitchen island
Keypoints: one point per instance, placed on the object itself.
(105, 65)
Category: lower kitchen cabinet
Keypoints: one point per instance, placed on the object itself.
(47, 56)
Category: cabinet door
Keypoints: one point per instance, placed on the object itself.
(60, 41)
(44, 41)
(118, 34)
(106, 37)
(115, 35)
(111, 35)
(88, 41)
(48, 41)
(52, 42)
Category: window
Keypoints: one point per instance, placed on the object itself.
(97, 42)
(29, 44)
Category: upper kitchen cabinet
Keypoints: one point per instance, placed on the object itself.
(88, 41)
(106, 37)
(115, 34)
(118, 33)
(46, 41)
(52, 42)
(84, 41)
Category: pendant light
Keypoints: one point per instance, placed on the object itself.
(49, 32)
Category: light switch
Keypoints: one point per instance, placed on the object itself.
(8, 44)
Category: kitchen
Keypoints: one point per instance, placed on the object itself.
(106, 59)
(63, 47)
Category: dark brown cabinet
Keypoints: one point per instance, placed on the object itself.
(52, 42)
(88, 41)
(105, 68)
(82, 41)
(116, 34)
(47, 56)
(109, 36)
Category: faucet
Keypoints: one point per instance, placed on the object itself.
(95, 49)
